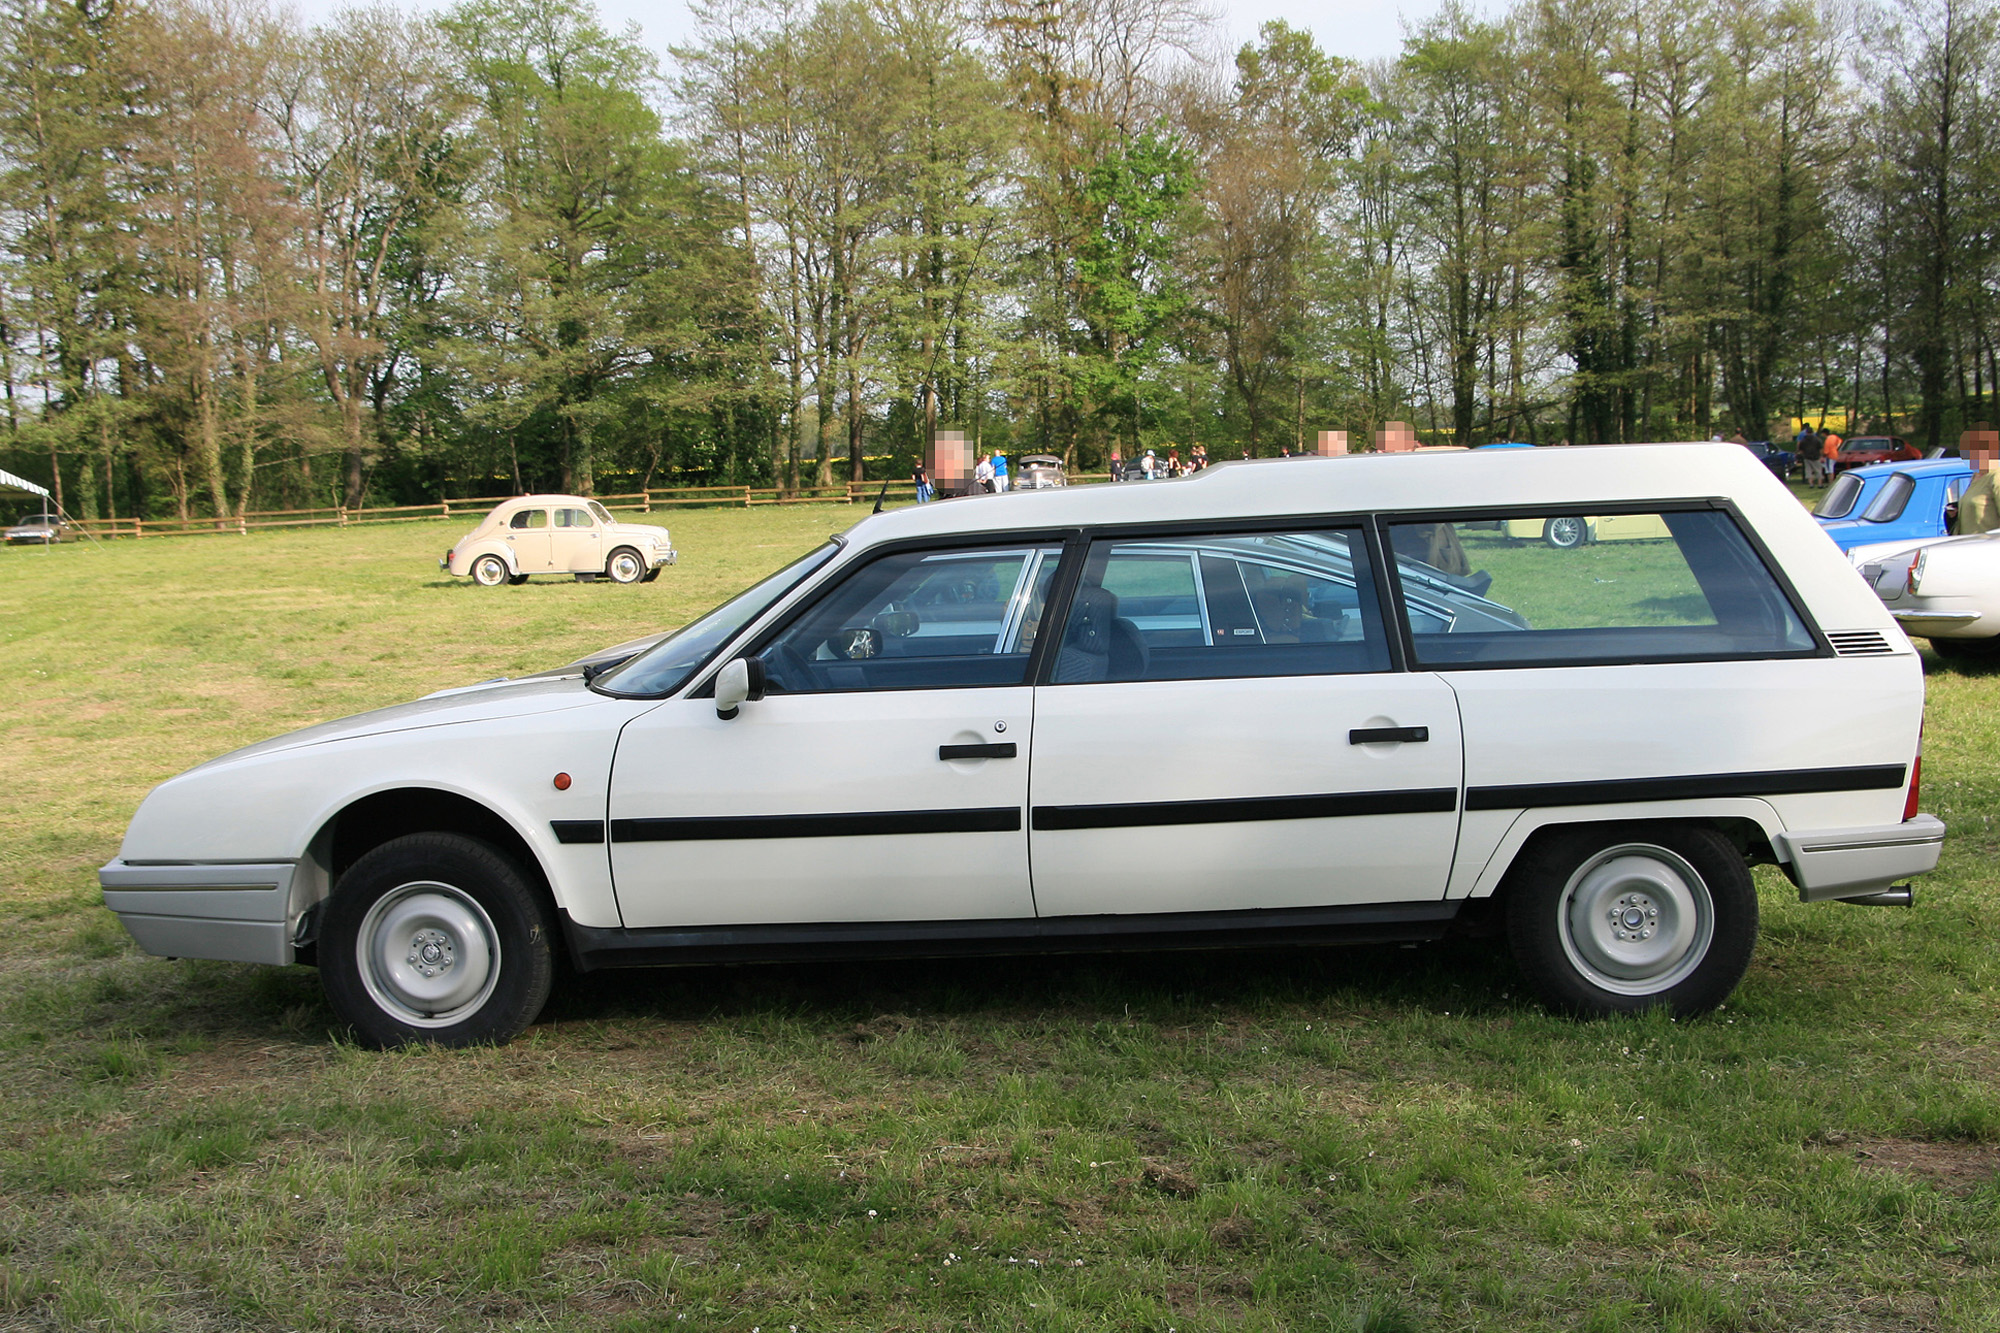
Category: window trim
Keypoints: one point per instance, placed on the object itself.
(1076, 558)
(1822, 647)
(1890, 488)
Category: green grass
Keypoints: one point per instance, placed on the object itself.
(1371, 1139)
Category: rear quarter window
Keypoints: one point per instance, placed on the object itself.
(1662, 586)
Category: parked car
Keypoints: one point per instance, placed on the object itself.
(1946, 590)
(1863, 450)
(1771, 456)
(1271, 705)
(37, 528)
(1039, 472)
(1564, 531)
(1874, 510)
(558, 534)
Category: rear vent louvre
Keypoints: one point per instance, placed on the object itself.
(1859, 643)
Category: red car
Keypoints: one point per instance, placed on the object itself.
(1865, 449)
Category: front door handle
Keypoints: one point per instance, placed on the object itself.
(1378, 735)
(1003, 750)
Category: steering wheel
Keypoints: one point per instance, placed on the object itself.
(787, 669)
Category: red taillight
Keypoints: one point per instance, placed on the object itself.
(1916, 780)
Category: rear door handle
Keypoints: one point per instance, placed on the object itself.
(1378, 735)
(1003, 750)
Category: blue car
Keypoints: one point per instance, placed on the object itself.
(1892, 502)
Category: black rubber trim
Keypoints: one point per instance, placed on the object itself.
(578, 830)
(596, 947)
(1379, 735)
(1242, 810)
(1620, 791)
(1002, 819)
(1001, 750)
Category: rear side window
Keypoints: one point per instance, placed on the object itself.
(1889, 505)
(1838, 502)
(1582, 589)
(1225, 605)
(530, 518)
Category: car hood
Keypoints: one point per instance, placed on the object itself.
(474, 703)
(1848, 532)
(638, 531)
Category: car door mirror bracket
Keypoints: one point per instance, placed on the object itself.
(740, 681)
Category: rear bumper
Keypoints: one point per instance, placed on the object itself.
(238, 913)
(1850, 863)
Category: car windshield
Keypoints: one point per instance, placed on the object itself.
(1839, 502)
(603, 514)
(666, 666)
(1895, 495)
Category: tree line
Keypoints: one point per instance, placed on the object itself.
(247, 263)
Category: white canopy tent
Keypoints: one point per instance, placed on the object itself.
(12, 482)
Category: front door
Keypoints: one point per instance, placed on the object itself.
(883, 777)
(1222, 732)
(579, 543)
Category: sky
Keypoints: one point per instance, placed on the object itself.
(1356, 29)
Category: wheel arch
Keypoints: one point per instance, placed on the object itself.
(1749, 827)
(382, 816)
(507, 555)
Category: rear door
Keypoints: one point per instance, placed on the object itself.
(1223, 732)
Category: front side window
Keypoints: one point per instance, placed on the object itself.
(1224, 605)
(529, 518)
(572, 518)
(1839, 500)
(1888, 506)
(919, 620)
(668, 664)
(1665, 586)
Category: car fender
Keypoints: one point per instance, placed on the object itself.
(463, 556)
(1490, 841)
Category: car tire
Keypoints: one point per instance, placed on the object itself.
(625, 566)
(517, 580)
(652, 573)
(436, 938)
(1968, 650)
(489, 571)
(1566, 532)
(1613, 919)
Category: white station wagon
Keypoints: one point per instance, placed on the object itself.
(557, 534)
(1296, 701)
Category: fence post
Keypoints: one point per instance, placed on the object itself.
(342, 511)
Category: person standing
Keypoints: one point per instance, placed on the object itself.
(1200, 457)
(1806, 445)
(923, 480)
(1829, 452)
(982, 473)
(1117, 467)
(999, 472)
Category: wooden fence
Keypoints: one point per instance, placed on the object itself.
(644, 502)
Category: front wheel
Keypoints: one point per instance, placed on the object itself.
(1566, 532)
(489, 571)
(625, 566)
(1613, 919)
(438, 938)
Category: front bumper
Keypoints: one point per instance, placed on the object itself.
(1855, 862)
(235, 912)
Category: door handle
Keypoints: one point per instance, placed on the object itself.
(1378, 735)
(1003, 750)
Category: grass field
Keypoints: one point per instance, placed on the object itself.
(1371, 1139)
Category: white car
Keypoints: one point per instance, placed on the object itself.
(558, 534)
(1285, 702)
(1947, 590)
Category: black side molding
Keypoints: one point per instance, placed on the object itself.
(1241, 810)
(1785, 782)
(1003, 819)
(578, 830)
(1375, 923)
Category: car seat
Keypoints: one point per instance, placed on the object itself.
(1099, 644)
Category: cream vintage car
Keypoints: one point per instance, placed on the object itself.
(1238, 708)
(558, 534)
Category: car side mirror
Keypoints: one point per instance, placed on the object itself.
(740, 681)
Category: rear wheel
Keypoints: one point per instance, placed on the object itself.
(1612, 919)
(489, 571)
(436, 938)
(625, 566)
(1973, 650)
(1566, 531)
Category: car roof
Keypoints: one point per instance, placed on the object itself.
(1921, 467)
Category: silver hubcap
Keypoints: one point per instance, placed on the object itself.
(428, 954)
(1636, 919)
(1566, 531)
(490, 572)
(624, 568)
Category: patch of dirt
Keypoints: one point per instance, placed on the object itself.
(1169, 1180)
(880, 1028)
(1233, 1232)
(1955, 1168)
